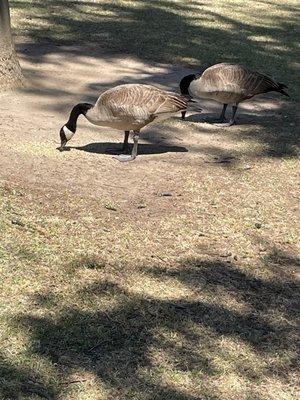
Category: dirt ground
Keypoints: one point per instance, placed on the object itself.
(227, 198)
(169, 154)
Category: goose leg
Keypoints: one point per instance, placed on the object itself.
(222, 119)
(127, 157)
(183, 115)
(125, 144)
(125, 147)
(222, 116)
(232, 119)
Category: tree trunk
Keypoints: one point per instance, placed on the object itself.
(10, 71)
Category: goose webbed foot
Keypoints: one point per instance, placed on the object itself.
(124, 157)
(63, 148)
(132, 156)
(225, 124)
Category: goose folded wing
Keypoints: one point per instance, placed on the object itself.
(119, 102)
(142, 101)
(253, 82)
(168, 103)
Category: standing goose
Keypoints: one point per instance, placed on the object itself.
(128, 108)
(228, 84)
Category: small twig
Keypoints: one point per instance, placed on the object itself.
(71, 382)
(92, 349)
(121, 187)
(220, 160)
(109, 317)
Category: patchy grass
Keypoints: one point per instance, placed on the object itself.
(171, 307)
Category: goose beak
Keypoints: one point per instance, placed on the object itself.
(63, 140)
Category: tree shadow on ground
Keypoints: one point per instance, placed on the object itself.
(267, 120)
(166, 32)
(15, 380)
(141, 339)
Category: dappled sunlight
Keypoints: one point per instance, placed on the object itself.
(52, 92)
(161, 340)
(213, 32)
(172, 277)
(135, 307)
(62, 73)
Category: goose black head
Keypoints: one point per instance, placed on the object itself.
(65, 135)
(185, 83)
(69, 129)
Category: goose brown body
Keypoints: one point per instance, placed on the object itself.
(228, 84)
(231, 84)
(133, 106)
(127, 107)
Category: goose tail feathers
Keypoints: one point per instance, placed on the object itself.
(281, 88)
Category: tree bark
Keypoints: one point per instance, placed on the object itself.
(10, 71)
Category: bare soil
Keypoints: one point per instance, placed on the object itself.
(58, 77)
(169, 277)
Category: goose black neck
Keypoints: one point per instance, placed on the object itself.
(81, 108)
(185, 83)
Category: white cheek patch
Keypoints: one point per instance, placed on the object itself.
(69, 134)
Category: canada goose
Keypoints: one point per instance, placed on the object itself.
(228, 84)
(128, 108)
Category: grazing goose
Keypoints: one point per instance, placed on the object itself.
(128, 108)
(228, 84)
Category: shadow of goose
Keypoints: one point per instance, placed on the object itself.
(243, 118)
(210, 118)
(116, 148)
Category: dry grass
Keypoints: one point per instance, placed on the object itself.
(172, 307)
(191, 296)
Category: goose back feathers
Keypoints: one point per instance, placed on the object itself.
(133, 106)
